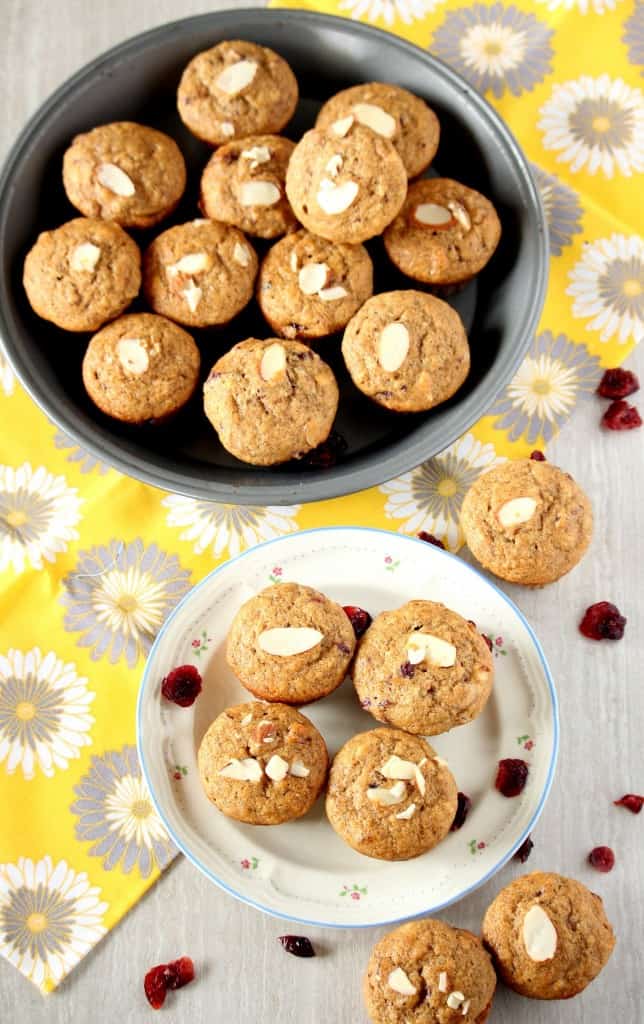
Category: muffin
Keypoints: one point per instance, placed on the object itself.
(124, 172)
(423, 668)
(236, 89)
(200, 274)
(389, 795)
(262, 764)
(82, 274)
(527, 522)
(429, 973)
(444, 234)
(549, 935)
(243, 184)
(290, 643)
(270, 401)
(309, 287)
(141, 368)
(406, 350)
(345, 183)
(392, 112)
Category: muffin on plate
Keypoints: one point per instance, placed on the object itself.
(392, 112)
(82, 274)
(271, 400)
(423, 668)
(262, 763)
(290, 643)
(141, 368)
(236, 89)
(406, 350)
(444, 234)
(124, 172)
(527, 522)
(549, 935)
(345, 183)
(243, 184)
(431, 973)
(389, 795)
(200, 274)
(309, 287)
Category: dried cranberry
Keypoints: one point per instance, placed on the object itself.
(618, 383)
(537, 456)
(429, 538)
(182, 685)
(602, 621)
(631, 802)
(524, 850)
(621, 416)
(407, 669)
(298, 945)
(602, 858)
(167, 976)
(360, 619)
(462, 811)
(488, 640)
(512, 776)
(326, 454)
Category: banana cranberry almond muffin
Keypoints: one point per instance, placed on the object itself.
(345, 183)
(309, 287)
(236, 89)
(141, 368)
(527, 522)
(290, 643)
(199, 274)
(124, 172)
(243, 184)
(406, 350)
(423, 668)
(82, 274)
(389, 795)
(430, 973)
(392, 112)
(444, 234)
(262, 763)
(549, 935)
(271, 400)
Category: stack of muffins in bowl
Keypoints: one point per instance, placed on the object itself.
(308, 207)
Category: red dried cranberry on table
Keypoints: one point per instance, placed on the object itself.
(603, 621)
(618, 383)
(164, 977)
(621, 416)
(512, 776)
(298, 945)
(631, 802)
(537, 456)
(524, 850)
(602, 858)
(326, 454)
(359, 618)
(182, 686)
(429, 538)
(462, 811)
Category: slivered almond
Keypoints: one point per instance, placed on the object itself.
(132, 355)
(312, 277)
(273, 362)
(333, 294)
(400, 982)
(286, 641)
(299, 770)
(191, 263)
(334, 165)
(407, 813)
(376, 118)
(460, 213)
(430, 648)
(433, 215)
(248, 769)
(387, 797)
(241, 255)
(393, 347)
(111, 177)
(192, 294)
(236, 77)
(258, 193)
(277, 768)
(85, 257)
(256, 155)
(334, 199)
(397, 768)
(539, 935)
(343, 126)
(516, 511)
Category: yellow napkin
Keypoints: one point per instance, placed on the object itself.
(92, 562)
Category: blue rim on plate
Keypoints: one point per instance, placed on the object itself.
(389, 921)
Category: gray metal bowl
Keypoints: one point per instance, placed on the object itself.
(137, 81)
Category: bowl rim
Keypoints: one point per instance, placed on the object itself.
(390, 920)
(398, 457)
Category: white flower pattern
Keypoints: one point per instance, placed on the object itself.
(44, 712)
(7, 377)
(38, 516)
(595, 124)
(50, 917)
(429, 498)
(582, 6)
(607, 285)
(389, 11)
(230, 528)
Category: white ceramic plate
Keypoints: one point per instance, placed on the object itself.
(302, 870)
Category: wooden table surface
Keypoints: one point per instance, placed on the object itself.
(244, 977)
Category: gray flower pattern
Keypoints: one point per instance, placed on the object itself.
(85, 460)
(634, 36)
(562, 209)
